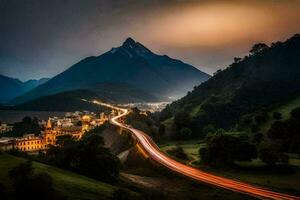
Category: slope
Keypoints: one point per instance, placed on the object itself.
(71, 185)
(266, 78)
(11, 87)
(131, 65)
(64, 101)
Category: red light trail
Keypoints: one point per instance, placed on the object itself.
(154, 153)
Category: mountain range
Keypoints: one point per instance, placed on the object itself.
(11, 87)
(267, 77)
(63, 102)
(129, 73)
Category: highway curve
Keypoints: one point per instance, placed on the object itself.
(154, 153)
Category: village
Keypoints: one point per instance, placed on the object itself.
(72, 123)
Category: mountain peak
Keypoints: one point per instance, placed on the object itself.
(132, 48)
(129, 41)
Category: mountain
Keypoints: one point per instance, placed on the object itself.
(11, 87)
(64, 102)
(267, 77)
(33, 83)
(132, 66)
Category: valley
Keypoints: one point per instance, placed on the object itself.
(149, 100)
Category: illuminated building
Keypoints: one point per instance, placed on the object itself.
(5, 128)
(29, 142)
(75, 125)
(6, 144)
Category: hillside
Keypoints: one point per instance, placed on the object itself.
(11, 87)
(64, 101)
(71, 185)
(266, 78)
(132, 66)
(284, 109)
(33, 83)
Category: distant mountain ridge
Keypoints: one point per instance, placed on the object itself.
(131, 65)
(267, 77)
(12, 87)
(63, 102)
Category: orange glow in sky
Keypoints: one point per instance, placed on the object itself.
(219, 25)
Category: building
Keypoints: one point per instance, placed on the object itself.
(49, 135)
(74, 124)
(5, 128)
(29, 142)
(6, 144)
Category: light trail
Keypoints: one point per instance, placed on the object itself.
(154, 153)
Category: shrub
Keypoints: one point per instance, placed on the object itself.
(224, 150)
(277, 116)
(208, 129)
(161, 129)
(257, 138)
(182, 119)
(260, 117)
(28, 185)
(178, 152)
(184, 133)
(295, 113)
(87, 156)
(271, 154)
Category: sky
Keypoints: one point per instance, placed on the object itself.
(44, 38)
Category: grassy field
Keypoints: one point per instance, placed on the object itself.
(71, 185)
(254, 172)
(191, 148)
(257, 173)
(284, 109)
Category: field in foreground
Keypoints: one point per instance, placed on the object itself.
(254, 172)
(69, 184)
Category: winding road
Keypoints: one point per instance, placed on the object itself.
(154, 153)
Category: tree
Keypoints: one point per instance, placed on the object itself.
(87, 156)
(278, 130)
(64, 140)
(271, 154)
(217, 72)
(297, 35)
(27, 125)
(208, 129)
(277, 116)
(246, 120)
(245, 151)
(28, 185)
(182, 119)
(224, 150)
(260, 117)
(98, 129)
(20, 176)
(178, 152)
(257, 138)
(184, 133)
(286, 132)
(161, 129)
(258, 48)
(237, 59)
(295, 113)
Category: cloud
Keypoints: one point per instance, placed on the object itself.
(49, 36)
